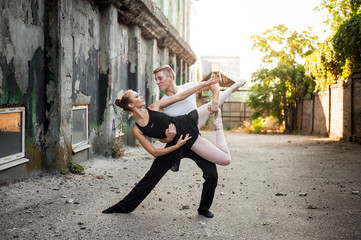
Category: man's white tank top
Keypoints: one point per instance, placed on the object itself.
(185, 106)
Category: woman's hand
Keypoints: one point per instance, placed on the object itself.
(182, 141)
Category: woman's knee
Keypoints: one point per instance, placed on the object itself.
(226, 161)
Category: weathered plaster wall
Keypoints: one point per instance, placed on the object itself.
(22, 81)
(55, 54)
(86, 85)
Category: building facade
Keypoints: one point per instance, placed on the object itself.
(62, 65)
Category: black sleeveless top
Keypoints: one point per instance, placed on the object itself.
(159, 122)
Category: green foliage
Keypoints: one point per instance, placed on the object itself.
(258, 125)
(75, 168)
(347, 43)
(337, 11)
(338, 56)
(277, 87)
(323, 67)
(281, 45)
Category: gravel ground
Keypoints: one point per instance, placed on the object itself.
(277, 187)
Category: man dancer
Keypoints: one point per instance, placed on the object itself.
(165, 78)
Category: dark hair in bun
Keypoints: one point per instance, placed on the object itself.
(124, 101)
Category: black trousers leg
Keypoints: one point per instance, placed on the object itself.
(158, 169)
(210, 176)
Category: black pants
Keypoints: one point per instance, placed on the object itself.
(159, 168)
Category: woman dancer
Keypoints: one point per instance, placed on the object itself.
(151, 122)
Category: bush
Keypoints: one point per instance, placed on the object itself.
(258, 125)
(75, 168)
(347, 41)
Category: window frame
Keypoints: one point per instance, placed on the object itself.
(17, 158)
(80, 146)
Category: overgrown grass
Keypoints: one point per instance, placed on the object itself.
(75, 168)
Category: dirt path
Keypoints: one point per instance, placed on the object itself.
(277, 187)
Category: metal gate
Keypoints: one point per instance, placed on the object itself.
(234, 113)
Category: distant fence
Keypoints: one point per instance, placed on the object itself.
(234, 113)
(336, 113)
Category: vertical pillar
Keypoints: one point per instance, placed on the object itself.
(164, 58)
(187, 22)
(181, 18)
(107, 67)
(54, 151)
(178, 72)
(134, 78)
(173, 62)
(165, 8)
(175, 14)
(152, 89)
(186, 79)
(181, 77)
(65, 73)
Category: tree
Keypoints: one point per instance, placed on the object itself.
(282, 80)
(338, 11)
(347, 43)
(336, 57)
(323, 67)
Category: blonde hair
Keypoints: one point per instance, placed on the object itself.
(124, 101)
(165, 68)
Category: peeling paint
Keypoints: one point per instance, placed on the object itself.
(34, 38)
(55, 54)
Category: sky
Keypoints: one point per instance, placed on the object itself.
(224, 27)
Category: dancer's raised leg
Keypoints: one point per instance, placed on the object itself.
(218, 154)
(225, 94)
(203, 113)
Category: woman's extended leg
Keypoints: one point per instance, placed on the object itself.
(218, 154)
(203, 113)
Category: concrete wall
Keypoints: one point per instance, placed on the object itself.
(336, 113)
(307, 116)
(336, 110)
(22, 79)
(321, 114)
(55, 54)
(355, 120)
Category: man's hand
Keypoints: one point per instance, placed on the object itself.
(170, 133)
(213, 106)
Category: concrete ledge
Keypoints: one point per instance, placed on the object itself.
(13, 163)
(81, 148)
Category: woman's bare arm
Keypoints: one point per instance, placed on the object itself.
(157, 151)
